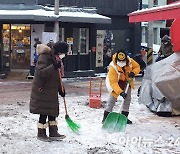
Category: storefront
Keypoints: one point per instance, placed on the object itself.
(17, 45)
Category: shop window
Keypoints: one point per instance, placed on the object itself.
(84, 40)
(146, 34)
(61, 34)
(155, 2)
(80, 41)
(20, 44)
(75, 46)
(155, 33)
(6, 47)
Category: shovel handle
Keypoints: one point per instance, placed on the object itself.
(127, 87)
(60, 80)
(65, 106)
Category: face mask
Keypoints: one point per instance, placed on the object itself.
(121, 63)
(62, 56)
(165, 43)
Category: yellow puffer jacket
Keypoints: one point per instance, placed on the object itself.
(116, 73)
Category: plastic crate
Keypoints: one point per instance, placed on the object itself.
(95, 92)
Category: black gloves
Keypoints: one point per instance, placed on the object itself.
(131, 75)
(62, 93)
(57, 65)
(123, 94)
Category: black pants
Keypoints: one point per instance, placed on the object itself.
(42, 118)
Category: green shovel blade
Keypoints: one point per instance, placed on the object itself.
(115, 122)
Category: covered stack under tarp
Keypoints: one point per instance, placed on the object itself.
(160, 88)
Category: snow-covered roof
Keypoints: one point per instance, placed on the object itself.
(40, 13)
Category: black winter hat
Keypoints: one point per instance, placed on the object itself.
(60, 47)
(165, 38)
(121, 55)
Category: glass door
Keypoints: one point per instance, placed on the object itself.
(80, 41)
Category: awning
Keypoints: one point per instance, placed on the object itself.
(171, 11)
(65, 15)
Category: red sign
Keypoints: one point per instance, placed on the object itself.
(93, 49)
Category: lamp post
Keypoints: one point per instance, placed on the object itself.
(150, 37)
(56, 12)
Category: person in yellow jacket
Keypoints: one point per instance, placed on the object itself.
(121, 69)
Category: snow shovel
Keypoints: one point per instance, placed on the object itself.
(72, 125)
(116, 122)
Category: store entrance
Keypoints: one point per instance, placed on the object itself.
(20, 42)
(16, 46)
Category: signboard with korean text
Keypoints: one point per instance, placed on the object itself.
(99, 48)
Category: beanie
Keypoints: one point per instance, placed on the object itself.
(60, 47)
(121, 55)
(165, 38)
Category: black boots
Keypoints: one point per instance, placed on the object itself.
(41, 135)
(53, 131)
(126, 114)
(105, 116)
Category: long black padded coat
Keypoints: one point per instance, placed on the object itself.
(44, 94)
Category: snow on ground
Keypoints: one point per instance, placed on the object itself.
(148, 134)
